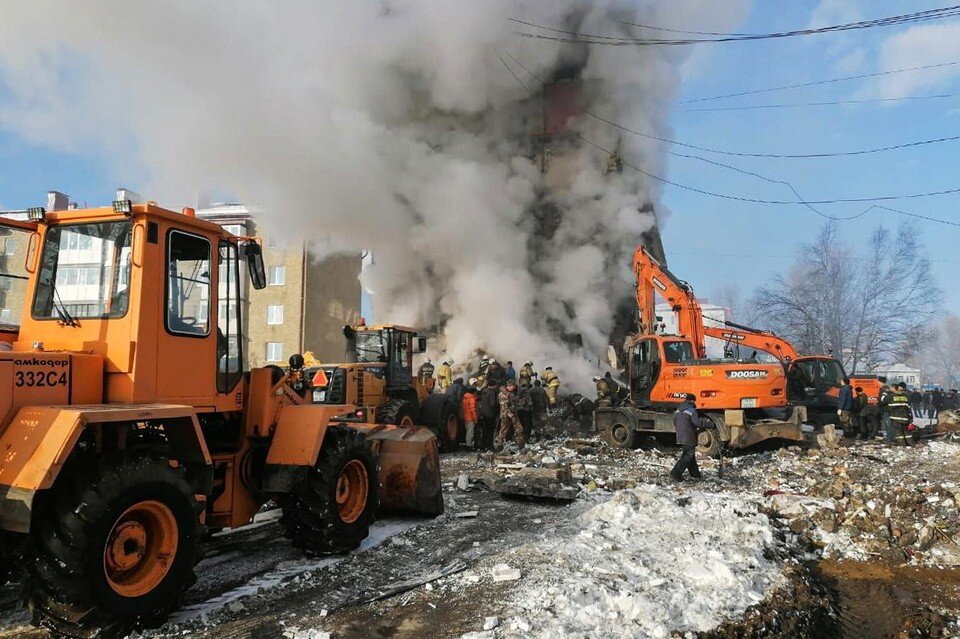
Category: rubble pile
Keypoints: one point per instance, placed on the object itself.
(868, 502)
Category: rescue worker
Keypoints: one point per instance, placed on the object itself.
(605, 394)
(900, 414)
(553, 384)
(425, 375)
(540, 403)
(883, 406)
(845, 407)
(444, 376)
(916, 402)
(487, 412)
(526, 374)
(456, 391)
(469, 411)
(525, 410)
(860, 404)
(870, 418)
(496, 375)
(509, 422)
(686, 422)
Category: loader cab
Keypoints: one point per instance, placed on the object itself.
(157, 294)
(393, 347)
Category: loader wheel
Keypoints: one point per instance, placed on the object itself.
(440, 415)
(709, 442)
(114, 549)
(399, 412)
(622, 436)
(330, 512)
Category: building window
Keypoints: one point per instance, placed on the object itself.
(10, 246)
(236, 229)
(275, 314)
(6, 316)
(274, 352)
(277, 275)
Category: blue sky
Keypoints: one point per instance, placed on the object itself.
(713, 242)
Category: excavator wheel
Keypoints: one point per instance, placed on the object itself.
(440, 415)
(709, 442)
(399, 412)
(621, 435)
(330, 512)
(115, 547)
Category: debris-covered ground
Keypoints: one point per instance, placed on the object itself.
(572, 538)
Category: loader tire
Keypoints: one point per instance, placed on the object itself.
(399, 412)
(114, 549)
(440, 415)
(330, 512)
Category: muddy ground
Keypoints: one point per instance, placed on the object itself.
(415, 578)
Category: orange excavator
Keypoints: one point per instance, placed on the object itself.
(813, 381)
(661, 369)
(129, 424)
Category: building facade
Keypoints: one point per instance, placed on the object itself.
(306, 302)
(896, 373)
(713, 315)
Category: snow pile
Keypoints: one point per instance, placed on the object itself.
(647, 563)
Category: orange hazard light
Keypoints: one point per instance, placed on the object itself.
(320, 379)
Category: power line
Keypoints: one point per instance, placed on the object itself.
(787, 105)
(738, 198)
(800, 199)
(743, 154)
(568, 36)
(859, 76)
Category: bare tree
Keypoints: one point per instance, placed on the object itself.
(728, 296)
(864, 308)
(941, 352)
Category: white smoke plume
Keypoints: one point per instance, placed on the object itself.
(390, 126)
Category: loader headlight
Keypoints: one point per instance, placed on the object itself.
(36, 214)
(123, 206)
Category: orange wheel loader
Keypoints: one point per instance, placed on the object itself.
(661, 369)
(128, 424)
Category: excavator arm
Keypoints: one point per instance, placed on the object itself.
(753, 338)
(653, 278)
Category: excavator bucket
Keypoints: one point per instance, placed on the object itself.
(409, 464)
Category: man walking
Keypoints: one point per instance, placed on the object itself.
(487, 412)
(883, 405)
(860, 404)
(845, 407)
(686, 421)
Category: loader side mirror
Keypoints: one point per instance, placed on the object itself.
(254, 256)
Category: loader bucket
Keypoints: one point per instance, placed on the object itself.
(409, 465)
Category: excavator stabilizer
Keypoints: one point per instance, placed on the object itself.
(409, 465)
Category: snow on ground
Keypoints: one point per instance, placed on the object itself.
(284, 571)
(646, 562)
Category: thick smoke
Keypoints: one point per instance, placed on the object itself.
(389, 126)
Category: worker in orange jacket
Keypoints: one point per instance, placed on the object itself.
(469, 411)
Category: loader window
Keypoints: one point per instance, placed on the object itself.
(84, 272)
(188, 284)
(13, 275)
(229, 353)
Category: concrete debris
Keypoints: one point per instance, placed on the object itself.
(467, 513)
(483, 634)
(491, 622)
(503, 572)
(309, 633)
(829, 437)
(463, 482)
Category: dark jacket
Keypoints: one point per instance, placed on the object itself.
(496, 375)
(510, 372)
(685, 423)
(860, 403)
(900, 408)
(539, 398)
(883, 399)
(488, 407)
(456, 391)
(845, 400)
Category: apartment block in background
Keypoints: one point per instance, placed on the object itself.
(306, 302)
